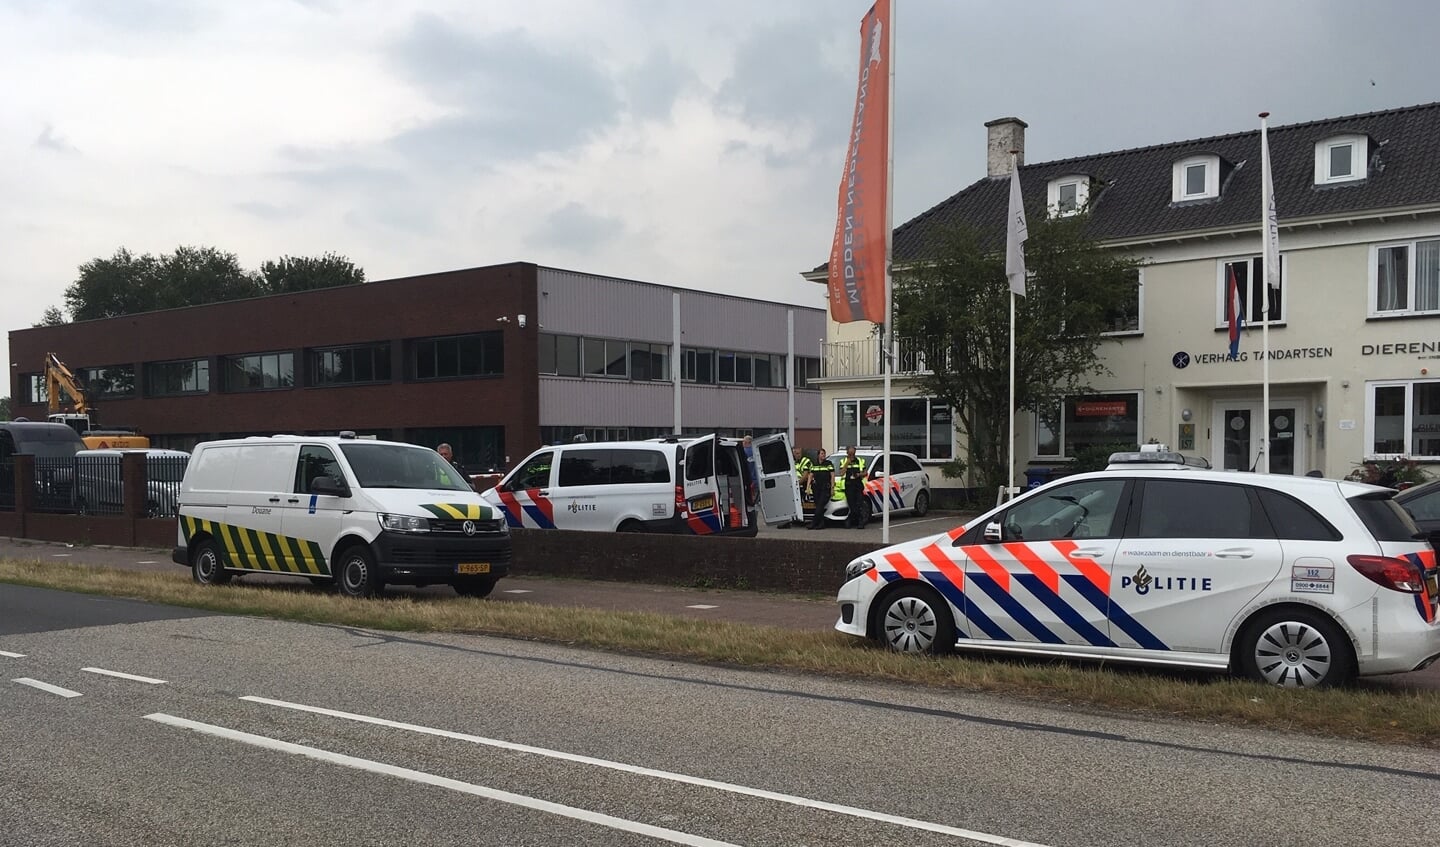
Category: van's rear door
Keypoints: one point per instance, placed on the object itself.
(699, 482)
(779, 490)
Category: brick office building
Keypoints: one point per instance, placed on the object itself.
(495, 360)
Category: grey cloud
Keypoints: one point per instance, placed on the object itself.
(781, 76)
(48, 140)
(652, 87)
(344, 176)
(145, 16)
(515, 97)
(574, 228)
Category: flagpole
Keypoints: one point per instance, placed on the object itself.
(888, 336)
(1010, 489)
(1266, 248)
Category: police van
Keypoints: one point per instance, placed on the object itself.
(696, 486)
(354, 513)
(1294, 581)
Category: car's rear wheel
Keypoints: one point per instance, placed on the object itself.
(206, 567)
(631, 526)
(356, 575)
(1295, 648)
(922, 503)
(915, 619)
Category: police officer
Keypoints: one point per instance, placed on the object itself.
(802, 472)
(822, 483)
(852, 471)
(449, 455)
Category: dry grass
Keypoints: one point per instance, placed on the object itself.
(1376, 715)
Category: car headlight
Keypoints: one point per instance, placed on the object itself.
(858, 567)
(404, 523)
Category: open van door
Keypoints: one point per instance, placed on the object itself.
(779, 489)
(701, 493)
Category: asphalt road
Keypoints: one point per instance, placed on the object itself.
(496, 742)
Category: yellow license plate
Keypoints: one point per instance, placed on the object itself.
(702, 504)
(473, 567)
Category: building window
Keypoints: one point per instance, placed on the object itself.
(1341, 159)
(1250, 280)
(111, 381)
(807, 368)
(606, 357)
(164, 379)
(349, 365)
(258, 372)
(36, 390)
(1067, 195)
(481, 354)
(649, 362)
(697, 366)
(1196, 178)
(560, 355)
(1405, 278)
(1098, 420)
(769, 371)
(1403, 419)
(1126, 318)
(920, 425)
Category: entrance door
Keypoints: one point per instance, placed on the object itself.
(1238, 438)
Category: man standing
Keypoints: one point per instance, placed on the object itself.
(449, 455)
(802, 469)
(852, 471)
(822, 484)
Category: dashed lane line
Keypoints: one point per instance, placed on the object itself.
(7, 654)
(149, 680)
(47, 687)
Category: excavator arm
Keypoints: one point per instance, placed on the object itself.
(58, 377)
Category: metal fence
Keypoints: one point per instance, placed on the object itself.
(95, 485)
(54, 485)
(7, 485)
(862, 358)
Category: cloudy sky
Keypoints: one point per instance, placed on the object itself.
(674, 141)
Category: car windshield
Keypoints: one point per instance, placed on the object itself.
(398, 466)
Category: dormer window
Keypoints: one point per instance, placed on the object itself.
(1342, 158)
(1068, 195)
(1196, 178)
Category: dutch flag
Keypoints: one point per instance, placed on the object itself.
(1234, 311)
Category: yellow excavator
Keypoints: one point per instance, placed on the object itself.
(59, 378)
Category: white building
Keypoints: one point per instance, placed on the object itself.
(1353, 342)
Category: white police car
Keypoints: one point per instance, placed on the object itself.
(1296, 581)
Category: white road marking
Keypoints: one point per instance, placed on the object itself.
(852, 811)
(893, 524)
(518, 591)
(146, 679)
(673, 836)
(59, 555)
(147, 562)
(45, 686)
(7, 654)
(701, 606)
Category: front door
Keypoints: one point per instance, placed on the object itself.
(1240, 434)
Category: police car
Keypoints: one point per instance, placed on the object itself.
(1295, 581)
(907, 489)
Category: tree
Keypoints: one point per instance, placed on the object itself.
(306, 273)
(4, 408)
(956, 305)
(125, 284)
(53, 316)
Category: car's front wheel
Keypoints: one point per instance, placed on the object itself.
(206, 567)
(917, 620)
(1295, 648)
(355, 573)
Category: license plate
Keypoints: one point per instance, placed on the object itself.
(473, 567)
(702, 504)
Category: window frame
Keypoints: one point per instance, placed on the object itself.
(1408, 425)
(1411, 246)
(931, 405)
(227, 371)
(484, 339)
(1257, 269)
(1179, 184)
(1064, 452)
(201, 364)
(1053, 190)
(1325, 148)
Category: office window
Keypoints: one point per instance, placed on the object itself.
(481, 354)
(35, 389)
(697, 366)
(349, 365)
(163, 379)
(1083, 422)
(1405, 278)
(1403, 419)
(111, 381)
(606, 357)
(807, 368)
(258, 372)
(1250, 280)
(649, 361)
(921, 426)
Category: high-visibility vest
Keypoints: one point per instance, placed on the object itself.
(802, 467)
(847, 462)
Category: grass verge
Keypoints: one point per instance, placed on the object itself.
(1376, 715)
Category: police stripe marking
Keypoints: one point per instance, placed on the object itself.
(371, 766)
(1116, 615)
(1012, 607)
(653, 773)
(1064, 611)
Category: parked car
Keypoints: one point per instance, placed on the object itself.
(1423, 504)
(100, 484)
(909, 486)
(1295, 581)
(54, 446)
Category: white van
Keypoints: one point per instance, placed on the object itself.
(355, 513)
(698, 486)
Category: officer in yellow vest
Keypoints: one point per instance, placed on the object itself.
(802, 479)
(852, 473)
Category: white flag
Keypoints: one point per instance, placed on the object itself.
(1015, 235)
(1272, 222)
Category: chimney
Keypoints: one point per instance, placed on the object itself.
(1002, 136)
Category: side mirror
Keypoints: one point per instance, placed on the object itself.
(994, 532)
(329, 486)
